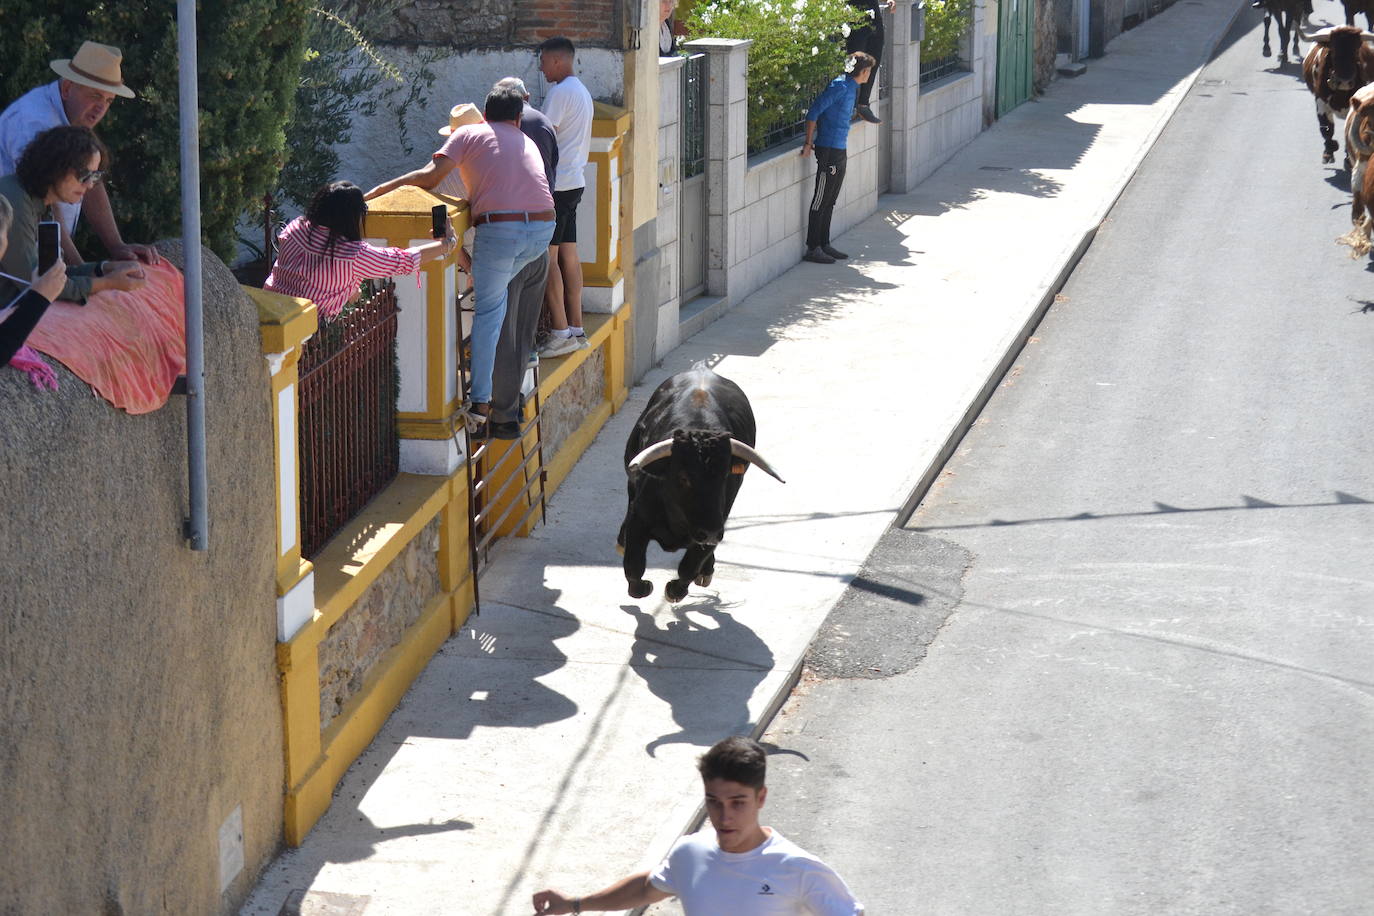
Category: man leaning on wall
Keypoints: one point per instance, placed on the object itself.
(88, 85)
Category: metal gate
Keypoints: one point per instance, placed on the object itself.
(1014, 53)
(692, 199)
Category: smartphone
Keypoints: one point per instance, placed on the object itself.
(49, 245)
(438, 215)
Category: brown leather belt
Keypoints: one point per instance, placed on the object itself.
(530, 216)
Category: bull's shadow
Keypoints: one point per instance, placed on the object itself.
(704, 664)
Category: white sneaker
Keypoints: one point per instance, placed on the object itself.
(582, 343)
(558, 346)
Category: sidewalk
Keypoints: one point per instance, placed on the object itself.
(553, 741)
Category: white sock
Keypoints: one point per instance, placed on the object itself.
(577, 332)
(561, 332)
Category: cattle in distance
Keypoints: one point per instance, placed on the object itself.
(1339, 62)
(685, 460)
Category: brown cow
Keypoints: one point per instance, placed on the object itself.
(1359, 146)
(1339, 62)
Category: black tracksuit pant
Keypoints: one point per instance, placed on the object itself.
(829, 177)
(870, 41)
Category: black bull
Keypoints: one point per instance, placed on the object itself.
(685, 460)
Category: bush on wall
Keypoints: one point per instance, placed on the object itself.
(947, 21)
(798, 47)
(250, 54)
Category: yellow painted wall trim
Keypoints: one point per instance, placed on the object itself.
(360, 552)
(609, 120)
(284, 322)
(363, 716)
(289, 578)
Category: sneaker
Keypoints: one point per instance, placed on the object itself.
(834, 252)
(582, 343)
(504, 429)
(558, 346)
(867, 114)
(532, 361)
(816, 256)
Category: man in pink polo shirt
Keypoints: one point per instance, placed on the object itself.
(512, 211)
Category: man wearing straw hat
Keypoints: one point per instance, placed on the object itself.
(89, 83)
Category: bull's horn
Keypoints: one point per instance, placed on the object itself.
(740, 450)
(1367, 36)
(1321, 35)
(655, 452)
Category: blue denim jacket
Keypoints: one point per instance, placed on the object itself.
(832, 112)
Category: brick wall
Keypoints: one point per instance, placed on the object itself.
(469, 24)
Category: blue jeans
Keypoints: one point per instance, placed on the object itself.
(499, 252)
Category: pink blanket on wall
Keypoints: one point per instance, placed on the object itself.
(129, 347)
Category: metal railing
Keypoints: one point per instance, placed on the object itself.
(784, 124)
(693, 125)
(935, 70)
(349, 449)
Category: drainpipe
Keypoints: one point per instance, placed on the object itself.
(195, 527)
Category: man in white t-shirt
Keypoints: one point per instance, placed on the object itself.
(568, 105)
(744, 869)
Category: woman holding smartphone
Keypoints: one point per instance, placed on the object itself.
(19, 315)
(323, 257)
(59, 166)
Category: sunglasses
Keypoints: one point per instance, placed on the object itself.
(89, 176)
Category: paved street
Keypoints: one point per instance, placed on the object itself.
(1136, 613)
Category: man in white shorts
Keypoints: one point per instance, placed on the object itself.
(738, 867)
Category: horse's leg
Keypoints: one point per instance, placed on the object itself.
(1265, 50)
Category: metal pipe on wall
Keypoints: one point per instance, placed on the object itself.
(188, 84)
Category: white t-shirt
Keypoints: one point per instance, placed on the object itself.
(568, 105)
(778, 878)
(28, 116)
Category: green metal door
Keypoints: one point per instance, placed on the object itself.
(1014, 37)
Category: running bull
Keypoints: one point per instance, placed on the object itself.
(1339, 62)
(685, 459)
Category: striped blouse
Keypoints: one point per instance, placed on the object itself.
(303, 269)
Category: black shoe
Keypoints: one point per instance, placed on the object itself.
(816, 256)
(504, 429)
(834, 252)
(867, 114)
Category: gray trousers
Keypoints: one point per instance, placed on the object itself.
(524, 301)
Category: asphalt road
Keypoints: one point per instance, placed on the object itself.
(1121, 660)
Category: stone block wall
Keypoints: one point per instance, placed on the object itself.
(564, 411)
(377, 622)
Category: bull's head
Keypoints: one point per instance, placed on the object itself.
(693, 468)
(1343, 45)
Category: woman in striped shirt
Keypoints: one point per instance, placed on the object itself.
(322, 256)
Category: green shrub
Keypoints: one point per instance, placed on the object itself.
(250, 54)
(947, 21)
(798, 48)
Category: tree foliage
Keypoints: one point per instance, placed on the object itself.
(798, 48)
(947, 22)
(250, 54)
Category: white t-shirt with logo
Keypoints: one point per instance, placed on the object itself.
(777, 878)
(568, 105)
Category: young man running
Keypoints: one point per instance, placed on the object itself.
(739, 867)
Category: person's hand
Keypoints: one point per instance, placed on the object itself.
(125, 275)
(147, 254)
(50, 284)
(551, 903)
(464, 260)
(805, 150)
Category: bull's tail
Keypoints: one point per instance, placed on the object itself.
(1358, 237)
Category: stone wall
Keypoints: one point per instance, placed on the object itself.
(564, 411)
(1046, 45)
(140, 718)
(377, 622)
(468, 24)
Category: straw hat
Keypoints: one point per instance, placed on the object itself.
(97, 66)
(461, 116)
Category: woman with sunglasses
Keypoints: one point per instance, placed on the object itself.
(58, 166)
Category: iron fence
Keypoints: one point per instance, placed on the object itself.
(783, 124)
(941, 67)
(349, 449)
(693, 124)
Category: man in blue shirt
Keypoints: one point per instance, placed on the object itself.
(827, 124)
